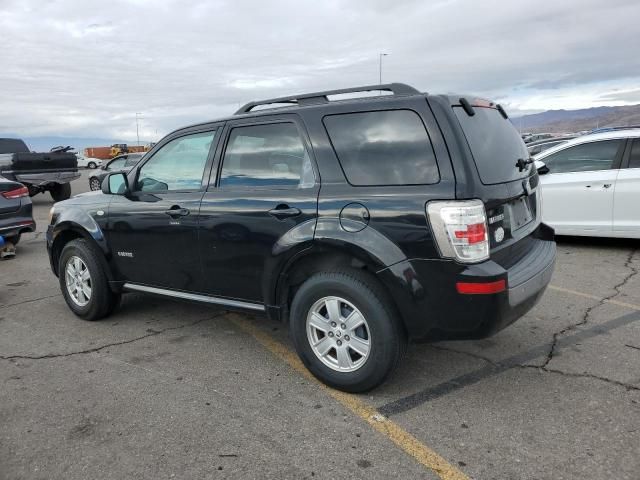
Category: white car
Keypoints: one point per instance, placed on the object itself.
(88, 162)
(591, 185)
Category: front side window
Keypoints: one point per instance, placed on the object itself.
(587, 157)
(389, 147)
(178, 165)
(270, 155)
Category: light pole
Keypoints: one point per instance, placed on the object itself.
(380, 55)
(138, 116)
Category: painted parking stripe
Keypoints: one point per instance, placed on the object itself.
(403, 439)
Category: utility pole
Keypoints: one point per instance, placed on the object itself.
(138, 116)
(380, 55)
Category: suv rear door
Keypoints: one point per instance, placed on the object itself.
(261, 205)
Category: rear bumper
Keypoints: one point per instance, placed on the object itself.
(432, 308)
(17, 222)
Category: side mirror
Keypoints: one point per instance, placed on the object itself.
(541, 167)
(115, 184)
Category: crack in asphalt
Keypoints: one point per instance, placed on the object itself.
(152, 333)
(585, 318)
(538, 367)
(628, 386)
(30, 300)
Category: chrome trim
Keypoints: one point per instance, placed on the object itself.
(194, 296)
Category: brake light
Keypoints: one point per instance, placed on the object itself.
(475, 233)
(16, 193)
(460, 229)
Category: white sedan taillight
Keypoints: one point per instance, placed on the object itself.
(460, 229)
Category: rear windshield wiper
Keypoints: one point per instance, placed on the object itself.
(522, 163)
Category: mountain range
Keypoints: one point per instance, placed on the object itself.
(567, 121)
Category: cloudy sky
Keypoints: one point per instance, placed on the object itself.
(83, 68)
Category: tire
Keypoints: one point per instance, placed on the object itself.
(92, 165)
(94, 184)
(381, 330)
(61, 191)
(14, 239)
(101, 301)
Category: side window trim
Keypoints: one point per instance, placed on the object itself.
(207, 167)
(223, 143)
(615, 164)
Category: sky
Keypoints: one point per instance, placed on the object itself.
(84, 68)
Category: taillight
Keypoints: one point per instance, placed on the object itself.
(460, 229)
(17, 193)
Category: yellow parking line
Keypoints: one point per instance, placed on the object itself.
(403, 439)
(595, 297)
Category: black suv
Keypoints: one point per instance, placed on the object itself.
(363, 222)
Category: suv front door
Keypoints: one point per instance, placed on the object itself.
(577, 192)
(153, 230)
(262, 201)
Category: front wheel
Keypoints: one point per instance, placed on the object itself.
(346, 331)
(94, 184)
(61, 191)
(92, 165)
(83, 281)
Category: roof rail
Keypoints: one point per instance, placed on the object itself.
(321, 97)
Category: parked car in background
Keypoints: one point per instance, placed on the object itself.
(122, 163)
(542, 145)
(15, 211)
(50, 172)
(591, 185)
(362, 222)
(537, 136)
(88, 162)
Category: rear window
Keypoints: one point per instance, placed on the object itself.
(13, 145)
(495, 145)
(389, 147)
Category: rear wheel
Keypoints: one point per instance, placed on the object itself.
(61, 191)
(94, 184)
(346, 331)
(83, 281)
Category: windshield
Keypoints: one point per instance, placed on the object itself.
(495, 145)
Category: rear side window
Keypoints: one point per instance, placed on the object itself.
(383, 148)
(495, 145)
(587, 157)
(270, 155)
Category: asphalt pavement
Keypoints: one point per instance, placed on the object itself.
(165, 389)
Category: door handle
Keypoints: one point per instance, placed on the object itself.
(177, 211)
(606, 185)
(283, 211)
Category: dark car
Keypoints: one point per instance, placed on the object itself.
(121, 163)
(15, 211)
(361, 222)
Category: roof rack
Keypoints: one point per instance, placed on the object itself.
(321, 97)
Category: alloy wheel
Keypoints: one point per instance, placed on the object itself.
(338, 334)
